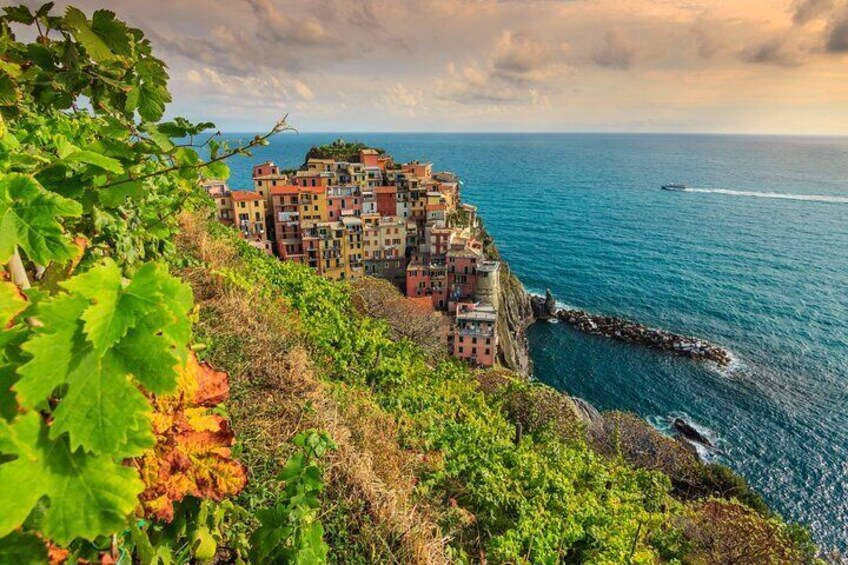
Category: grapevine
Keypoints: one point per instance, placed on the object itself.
(104, 410)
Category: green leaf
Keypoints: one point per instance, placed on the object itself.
(89, 495)
(293, 467)
(147, 355)
(116, 195)
(8, 90)
(23, 549)
(96, 159)
(100, 407)
(218, 170)
(113, 32)
(19, 14)
(151, 101)
(56, 347)
(93, 44)
(29, 219)
(108, 318)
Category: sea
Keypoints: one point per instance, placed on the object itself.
(753, 257)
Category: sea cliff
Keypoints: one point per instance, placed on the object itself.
(515, 313)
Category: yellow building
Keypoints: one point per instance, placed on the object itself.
(312, 205)
(249, 216)
(353, 249)
(331, 243)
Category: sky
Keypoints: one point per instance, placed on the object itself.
(712, 66)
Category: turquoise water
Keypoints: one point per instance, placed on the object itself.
(765, 275)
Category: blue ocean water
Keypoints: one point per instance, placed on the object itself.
(756, 259)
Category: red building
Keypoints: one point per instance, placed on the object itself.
(386, 200)
(287, 222)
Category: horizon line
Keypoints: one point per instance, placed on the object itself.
(566, 132)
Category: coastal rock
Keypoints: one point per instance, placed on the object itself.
(515, 313)
(544, 308)
(587, 413)
(633, 332)
(690, 433)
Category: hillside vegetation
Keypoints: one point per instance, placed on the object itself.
(170, 394)
(461, 464)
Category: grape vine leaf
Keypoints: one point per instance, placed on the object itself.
(29, 219)
(99, 340)
(23, 549)
(12, 303)
(191, 456)
(53, 348)
(108, 317)
(93, 43)
(89, 495)
(102, 404)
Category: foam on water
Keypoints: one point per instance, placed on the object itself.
(777, 195)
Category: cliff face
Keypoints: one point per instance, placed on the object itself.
(514, 315)
(515, 312)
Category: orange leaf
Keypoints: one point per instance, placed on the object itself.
(191, 456)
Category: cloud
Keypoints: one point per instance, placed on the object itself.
(809, 10)
(303, 90)
(778, 51)
(523, 59)
(489, 64)
(616, 52)
(279, 27)
(837, 34)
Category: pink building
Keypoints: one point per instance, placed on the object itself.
(265, 169)
(425, 280)
(369, 157)
(462, 273)
(344, 201)
(475, 337)
(417, 169)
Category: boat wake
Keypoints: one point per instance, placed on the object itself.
(776, 195)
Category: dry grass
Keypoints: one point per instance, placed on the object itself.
(277, 393)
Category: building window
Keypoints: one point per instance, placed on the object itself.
(460, 350)
(488, 352)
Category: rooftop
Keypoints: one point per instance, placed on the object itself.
(479, 314)
(243, 195)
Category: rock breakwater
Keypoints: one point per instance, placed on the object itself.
(633, 332)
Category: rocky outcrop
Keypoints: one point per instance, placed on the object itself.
(633, 332)
(689, 433)
(515, 314)
(544, 307)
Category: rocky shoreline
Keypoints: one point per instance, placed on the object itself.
(544, 308)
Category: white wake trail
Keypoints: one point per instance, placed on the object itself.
(778, 195)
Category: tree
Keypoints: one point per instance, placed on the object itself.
(412, 319)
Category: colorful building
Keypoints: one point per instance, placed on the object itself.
(475, 337)
(370, 217)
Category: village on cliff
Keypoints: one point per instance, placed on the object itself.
(369, 216)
